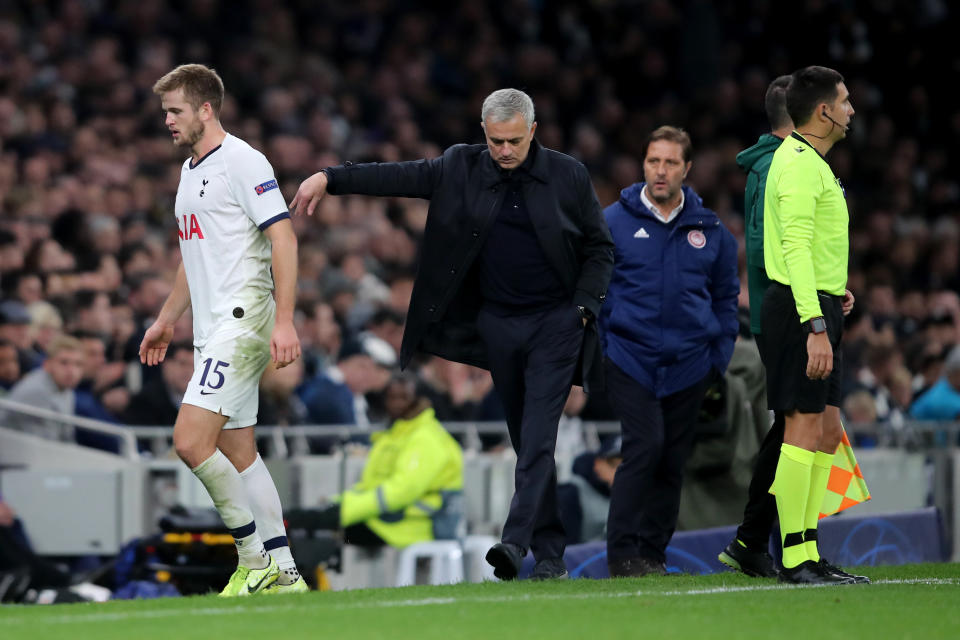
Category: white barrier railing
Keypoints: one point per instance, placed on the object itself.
(123, 434)
(913, 434)
(280, 440)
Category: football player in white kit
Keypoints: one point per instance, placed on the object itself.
(233, 226)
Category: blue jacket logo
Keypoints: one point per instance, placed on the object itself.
(696, 239)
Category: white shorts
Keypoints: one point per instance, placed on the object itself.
(226, 373)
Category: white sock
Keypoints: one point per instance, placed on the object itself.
(225, 487)
(267, 511)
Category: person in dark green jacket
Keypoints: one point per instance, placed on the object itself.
(755, 161)
(748, 552)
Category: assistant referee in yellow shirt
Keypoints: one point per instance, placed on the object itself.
(805, 243)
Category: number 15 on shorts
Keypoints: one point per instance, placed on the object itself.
(212, 379)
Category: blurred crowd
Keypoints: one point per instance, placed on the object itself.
(88, 174)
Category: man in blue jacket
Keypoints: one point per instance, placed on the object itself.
(942, 400)
(668, 328)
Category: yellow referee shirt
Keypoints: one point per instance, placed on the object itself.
(805, 233)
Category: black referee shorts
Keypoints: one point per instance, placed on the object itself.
(785, 353)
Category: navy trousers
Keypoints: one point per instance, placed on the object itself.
(533, 358)
(657, 439)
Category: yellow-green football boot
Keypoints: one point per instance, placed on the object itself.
(294, 587)
(246, 581)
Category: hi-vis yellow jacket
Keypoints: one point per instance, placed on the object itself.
(413, 473)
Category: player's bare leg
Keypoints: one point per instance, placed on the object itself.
(195, 436)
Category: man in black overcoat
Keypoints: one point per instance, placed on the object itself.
(514, 266)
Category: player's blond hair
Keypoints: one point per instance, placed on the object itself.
(200, 84)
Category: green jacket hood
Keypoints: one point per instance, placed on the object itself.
(766, 144)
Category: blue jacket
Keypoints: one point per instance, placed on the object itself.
(671, 308)
(939, 402)
(327, 401)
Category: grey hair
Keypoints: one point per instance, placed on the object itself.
(503, 104)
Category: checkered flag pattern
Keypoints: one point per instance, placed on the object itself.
(846, 486)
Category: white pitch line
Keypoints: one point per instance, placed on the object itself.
(423, 602)
(781, 586)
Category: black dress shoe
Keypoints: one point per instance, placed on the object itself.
(826, 567)
(636, 567)
(549, 569)
(756, 564)
(809, 572)
(505, 558)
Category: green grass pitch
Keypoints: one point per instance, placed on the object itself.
(914, 601)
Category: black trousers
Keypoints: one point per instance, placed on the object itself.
(657, 439)
(533, 359)
(785, 353)
(761, 510)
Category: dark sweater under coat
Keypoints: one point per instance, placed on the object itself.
(515, 275)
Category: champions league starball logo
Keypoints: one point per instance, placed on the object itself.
(266, 186)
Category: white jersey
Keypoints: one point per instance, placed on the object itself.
(224, 203)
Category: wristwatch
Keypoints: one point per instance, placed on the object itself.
(584, 312)
(816, 325)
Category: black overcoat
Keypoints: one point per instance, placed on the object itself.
(465, 190)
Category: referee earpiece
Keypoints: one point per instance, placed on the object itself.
(835, 123)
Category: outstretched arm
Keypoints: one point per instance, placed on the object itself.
(309, 194)
(415, 179)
